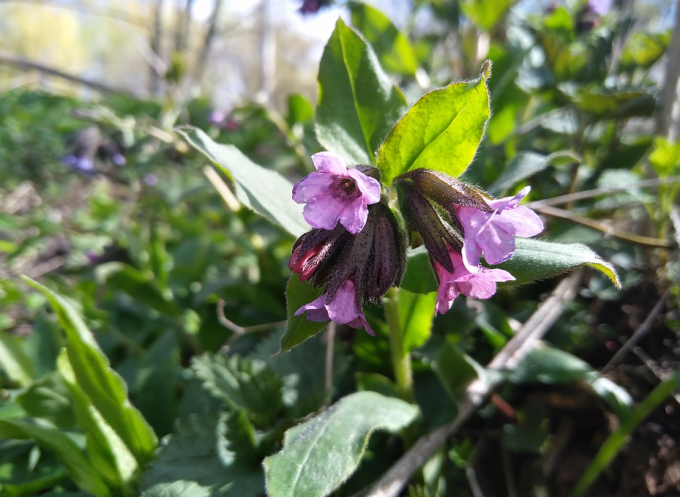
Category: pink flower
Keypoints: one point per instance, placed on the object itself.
(342, 308)
(336, 194)
(493, 233)
(479, 285)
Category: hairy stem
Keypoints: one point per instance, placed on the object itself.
(401, 360)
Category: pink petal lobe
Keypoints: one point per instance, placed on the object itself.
(312, 187)
(328, 162)
(323, 214)
(354, 216)
(369, 187)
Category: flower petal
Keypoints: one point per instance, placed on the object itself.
(520, 221)
(498, 245)
(328, 162)
(316, 310)
(323, 214)
(313, 187)
(354, 216)
(509, 202)
(369, 187)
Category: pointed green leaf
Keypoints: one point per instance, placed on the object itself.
(14, 361)
(320, 454)
(442, 131)
(298, 328)
(195, 462)
(548, 365)
(114, 461)
(358, 103)
(79, 467)
(533, 260)
(485, 14)
(393, 48)
(104, 387)
(262, 190)
(537, 260)
(416, 312)
(455, 369)
(49, 399)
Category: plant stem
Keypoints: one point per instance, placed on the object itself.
(616, 440)
(401, 360)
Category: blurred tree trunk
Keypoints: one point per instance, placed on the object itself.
(664, 123)
(267, 54)
(183, 24)
(207, 41)
(155, 44)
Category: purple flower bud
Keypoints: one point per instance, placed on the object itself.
(493, 233)
(316, 250)
(336, 194)
(480, 284)
(70, 160)
(231, 124)
(341, 308)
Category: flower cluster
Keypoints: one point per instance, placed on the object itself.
(356, 250)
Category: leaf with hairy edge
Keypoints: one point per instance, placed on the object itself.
(194, 462)
(536, 259)
(392, 47)
(416, 312)
(298, 328)
(104, 387)
(358, 103)
(320, 454)
(262, 190)
(79, 467)
(533, 260)
(442, 130)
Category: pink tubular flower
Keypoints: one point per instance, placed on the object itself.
(494, 232)
(342, 308)
(336, 194)
(479, 285)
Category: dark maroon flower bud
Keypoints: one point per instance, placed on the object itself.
(434, 226)
(316, 249)
(389, 259)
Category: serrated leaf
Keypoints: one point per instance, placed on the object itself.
(416, 312)
(83, 472)
(358, 103)
(190, 464)
(442, 131)
(137, 285)
(242, 383)
(262, 190)
(104, 387)
(299, 328)
(320, 454)
(392, 47)
(537, 259)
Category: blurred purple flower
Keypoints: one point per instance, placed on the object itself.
(336, 194)
(342, 308)
(478, 285)
(118, 160)
(92, 257)
(600, 7)
(216, 117)
(231, 124)
(151, 179)
(493, 233)
(81, 164)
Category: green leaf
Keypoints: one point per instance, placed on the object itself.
(485, 14)
(665, 158)
(80, 468)
(320, 454)
(114, 461)
(358, 103)
(104, 387)
(300, 110)
(416, 312)
(537, 259)
(242, 383)
(643, 50)
(525, 165)
(392, 47)
(14, 360)
(614, 395)
(547, 365)
(139, 286)
(455, 369)
(262, 190)
(298, 328)
(610, 104)
(442, 131)
(194, 462)
(48, 398)
(418, 276)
